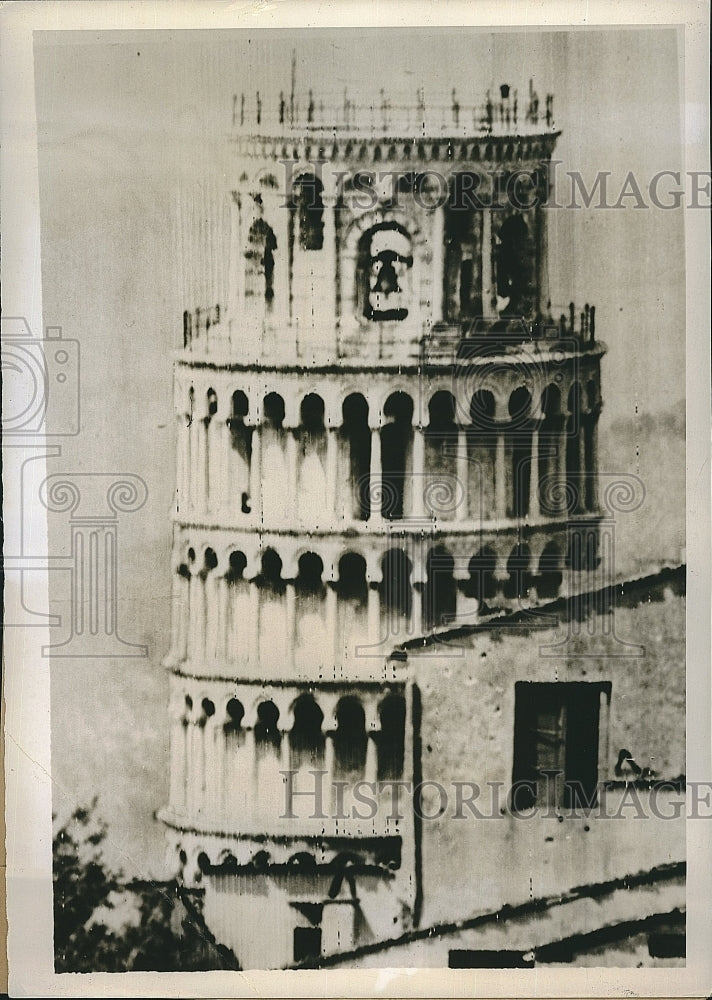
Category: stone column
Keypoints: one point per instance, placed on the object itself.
(418, 477)
(562, 478)
(488, 295)
(292, 462)
(211, 616)
(583, 471)
(328, 764)
(332, 454)
(534, 476)
(254, 627)
(500, 476)
(416, 612)
(437, 264)
(593, 470)
(202, 463)
(332, 622)
(223, 598)
(375, 490)
(371, 769)
(194, 468)
(291, 617)
(225, 500)
(374, 615)
(463, 472)
(256, 474)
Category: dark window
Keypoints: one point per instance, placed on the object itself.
(259, 270)
(309, 208)
(556, 739)
(307, 943)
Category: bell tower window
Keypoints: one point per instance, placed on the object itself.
(384, 260)
(259, 261)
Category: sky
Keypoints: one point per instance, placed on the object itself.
(126, 119)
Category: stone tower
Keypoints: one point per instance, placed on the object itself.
(383, 430)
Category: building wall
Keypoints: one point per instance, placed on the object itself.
(467, 735)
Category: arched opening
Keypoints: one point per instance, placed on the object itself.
(308, 582)
(259, 263)
(350, 737)
(481, 449)
(311, 475)
(395, 588)
(237, 561)
(384, 260)
(241, 441)
(441, 487)
(307, 215)
(210, 562)
(306, 739)
(482, 584)
(463, 239)
(550, 490)
(519, 582)
(235, 714)
(356, 439)
(270, 576)
(514, 259)
(440, 592)
(519, 441)
(575, 491)
(391, 739)
(550, 575)
(396, 443)
(211, 400)
(268, 738)
(273, 411)
(352, 584)
(311, 413)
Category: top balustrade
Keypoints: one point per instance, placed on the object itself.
(308, 115)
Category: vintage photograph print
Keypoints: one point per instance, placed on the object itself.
(363, 367)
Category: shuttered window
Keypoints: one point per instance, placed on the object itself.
(556, 744)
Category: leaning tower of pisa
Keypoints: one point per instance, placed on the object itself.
(384, 430)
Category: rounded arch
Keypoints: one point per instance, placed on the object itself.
(391, 738)
(482, 409)
(311, 413)
(441, 410)
(352, 584)
(519, 582)
(310, 569)
(350, 737)
(440, 592)
(481, 568)
(239, 405)
(395, 587)
(273, 410)
(270, 575)
(306, 737)
(550, 401)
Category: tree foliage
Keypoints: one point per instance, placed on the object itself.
(105, 924)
